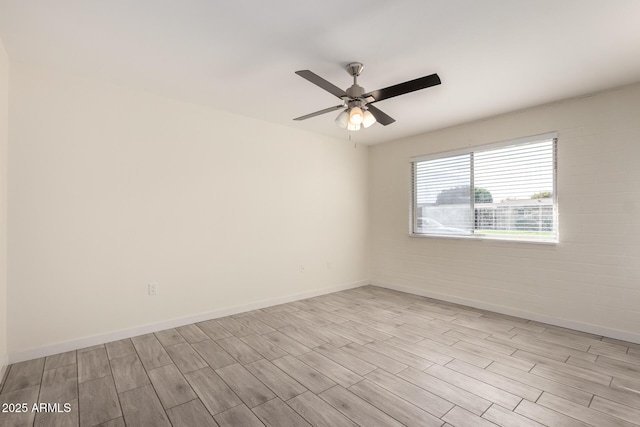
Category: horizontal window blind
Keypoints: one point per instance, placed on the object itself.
(504, 191)
(443, 190)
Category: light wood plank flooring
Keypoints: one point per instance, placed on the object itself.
(363, 357)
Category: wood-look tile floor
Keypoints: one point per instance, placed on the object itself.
(367, 356)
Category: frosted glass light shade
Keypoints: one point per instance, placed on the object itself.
(368, 119)
(355, 116)
(343, 119)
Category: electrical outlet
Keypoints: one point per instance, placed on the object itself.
(153, 289)
(302, 269)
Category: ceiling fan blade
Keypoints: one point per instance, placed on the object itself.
(380, 116)
(319, 81)
(317, 113)
(402, 88)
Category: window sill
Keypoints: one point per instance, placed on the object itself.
(482, 238)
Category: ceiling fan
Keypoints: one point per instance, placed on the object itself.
(358, 109)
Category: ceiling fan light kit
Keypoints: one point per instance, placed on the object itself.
(358, 111)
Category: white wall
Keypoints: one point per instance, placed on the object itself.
(590, 280)
(4, 129)
(110, 189)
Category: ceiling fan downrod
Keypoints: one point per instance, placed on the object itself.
(355, 69)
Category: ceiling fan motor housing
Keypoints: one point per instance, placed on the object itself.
(355, 91)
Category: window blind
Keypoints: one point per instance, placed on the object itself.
(504, 190)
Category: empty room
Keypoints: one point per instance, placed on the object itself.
(285, 213)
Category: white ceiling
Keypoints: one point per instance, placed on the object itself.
(493, 56)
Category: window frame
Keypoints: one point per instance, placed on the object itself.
(413, 218)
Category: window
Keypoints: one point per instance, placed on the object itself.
(500, 191)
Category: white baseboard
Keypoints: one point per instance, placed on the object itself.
(556, 321)
(173, 323)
